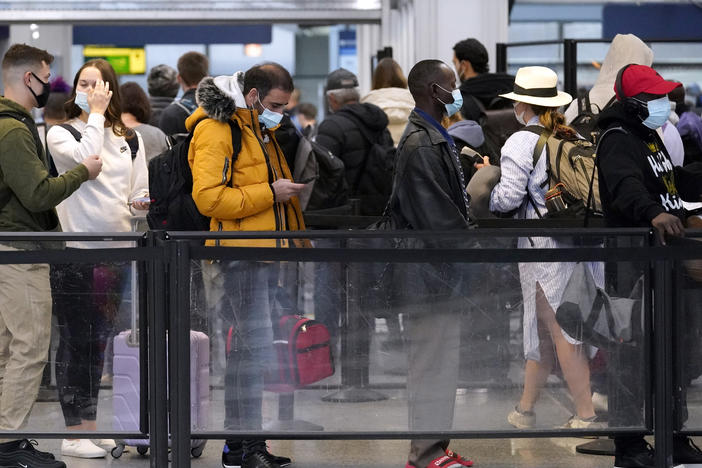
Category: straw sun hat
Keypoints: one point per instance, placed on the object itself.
(537, 86)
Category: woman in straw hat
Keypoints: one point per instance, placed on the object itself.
(522, 187)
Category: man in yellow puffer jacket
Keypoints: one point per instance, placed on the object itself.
(261, 197)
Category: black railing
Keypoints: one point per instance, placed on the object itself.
(165, 260)
(570, 56)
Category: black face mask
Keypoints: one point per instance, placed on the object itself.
(44, 96)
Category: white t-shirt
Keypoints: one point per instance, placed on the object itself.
(103, 204)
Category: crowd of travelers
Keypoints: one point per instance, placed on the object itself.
(412, 152)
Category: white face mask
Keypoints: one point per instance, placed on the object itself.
(519, 115)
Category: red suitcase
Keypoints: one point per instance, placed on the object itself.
(304, 354)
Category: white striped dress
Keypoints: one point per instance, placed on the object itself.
(516, 163)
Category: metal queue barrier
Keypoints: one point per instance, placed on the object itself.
(148, 256)
(662, 262)
(164, 258)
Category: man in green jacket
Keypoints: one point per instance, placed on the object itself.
(28, 197)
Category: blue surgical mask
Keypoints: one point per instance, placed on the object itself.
(268, 118)
(455, 106)
(658, 112)
(81, 101)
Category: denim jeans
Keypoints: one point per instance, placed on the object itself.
(250, 288)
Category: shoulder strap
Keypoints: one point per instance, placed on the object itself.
(236, 145)
(185, 107)
(32, 130)
(544, 135)
(133, 142)
(72, 130)
(609, 103)
(609, 131)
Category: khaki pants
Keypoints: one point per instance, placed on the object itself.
(25, 330)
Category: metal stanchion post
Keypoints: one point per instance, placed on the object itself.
(155, 349)
(179, 354)
(663, 361)
(355, 345)
(570, 66)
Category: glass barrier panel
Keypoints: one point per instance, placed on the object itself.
(687, 341)
(68, 342)
(368, 345)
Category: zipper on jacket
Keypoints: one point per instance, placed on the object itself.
(219, 229)
(225, 170)
(272, 177)
(280, 165)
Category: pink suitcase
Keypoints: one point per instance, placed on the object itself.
(125, 399)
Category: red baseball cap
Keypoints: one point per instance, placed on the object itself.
(638, 79)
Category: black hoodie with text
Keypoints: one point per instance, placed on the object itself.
(637, 179)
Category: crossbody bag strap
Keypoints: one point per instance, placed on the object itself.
(544, 135)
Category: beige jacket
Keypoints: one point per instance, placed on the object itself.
(397, 103)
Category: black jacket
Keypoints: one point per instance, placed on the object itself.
(340, 134)
(173, 117)
(481, 91)
(158, 103)
(288, 138)
(429, 196)
(636, 176)
(427, 180)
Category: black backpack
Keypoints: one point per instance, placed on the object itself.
(585, 123)
(323, 173)
(498, 123)
(374, 182)
(171, 184)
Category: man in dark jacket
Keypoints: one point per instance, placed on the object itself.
(430, 195)
(479, 88)
(28, 196)
(162, 85)
(640, 187)
(192, 67)
(343, 132)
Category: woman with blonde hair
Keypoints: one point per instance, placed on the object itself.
(522, 187)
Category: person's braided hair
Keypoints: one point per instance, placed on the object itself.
(554, 121)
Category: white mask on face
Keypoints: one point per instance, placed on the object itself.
(519, 115)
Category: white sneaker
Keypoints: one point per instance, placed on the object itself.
(81, 448)
(106, 444)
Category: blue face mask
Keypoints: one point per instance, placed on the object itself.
(658, 112)
(268, 118)
(81, 101)
(455, 106)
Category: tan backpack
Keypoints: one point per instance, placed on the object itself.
(572, 176)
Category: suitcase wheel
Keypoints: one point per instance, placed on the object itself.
(142, 449)
(117, 451)
(197, 451)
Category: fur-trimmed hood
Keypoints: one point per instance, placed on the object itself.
(220, 96)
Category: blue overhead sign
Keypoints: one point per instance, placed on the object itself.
(124, 36)
(653, 20)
